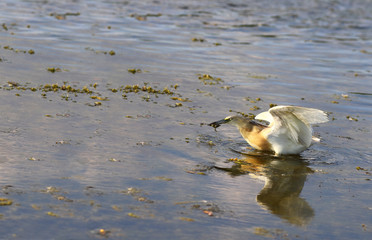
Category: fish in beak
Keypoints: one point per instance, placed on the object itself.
(220, 122)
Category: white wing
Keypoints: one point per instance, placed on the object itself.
(307, 115)
(266, 116)
(295, 122)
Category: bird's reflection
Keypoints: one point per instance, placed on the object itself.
(284, 179)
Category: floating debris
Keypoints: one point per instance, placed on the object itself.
(36, 207)
(99, 98)
(33, 159)
(111, 52)
(364, 227)
(211, 143)
(254, 108)
(63, 16)
(366, 171)
(134, 71)
(259, 76)
(180, 99)
(365, 51)
(198, 39)
(30, 51)
(53, 69)
(52, 214)
(63, 198)
(114, 160)
(101, 232)
(209, 80)
(144, 17)
(196, 171)
(273, 105)
(50, 189)
(63, 142)
(351, 118)
(251, 100)
(209, 213)
(186, 219)
(71, 92)
(4, 27)
(203, 206)
(341, 97)
(137, 88)
(12, 84)
(137, 194)
(133, 215)
(117, 208)
(5, 202)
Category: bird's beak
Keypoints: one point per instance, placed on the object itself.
(218, 123)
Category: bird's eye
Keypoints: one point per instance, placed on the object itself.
(228, 119)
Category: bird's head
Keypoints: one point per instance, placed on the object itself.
(238, 121)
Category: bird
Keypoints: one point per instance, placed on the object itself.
(282, 129)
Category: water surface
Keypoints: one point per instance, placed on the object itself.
(104, 103)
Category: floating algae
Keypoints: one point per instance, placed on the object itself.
(5, 202)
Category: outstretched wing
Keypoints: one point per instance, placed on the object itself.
(265, 116)
(295, 122)
(307, 115)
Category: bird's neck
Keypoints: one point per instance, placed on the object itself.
(255, 136)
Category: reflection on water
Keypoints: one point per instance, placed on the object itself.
(284, 180)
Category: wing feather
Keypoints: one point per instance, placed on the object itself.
(307, 115)
(295, 122)
(266, 116)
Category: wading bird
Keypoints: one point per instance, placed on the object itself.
(288, 132)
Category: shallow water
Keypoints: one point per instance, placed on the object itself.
(97, 157)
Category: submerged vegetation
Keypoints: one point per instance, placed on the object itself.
(72, 91)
